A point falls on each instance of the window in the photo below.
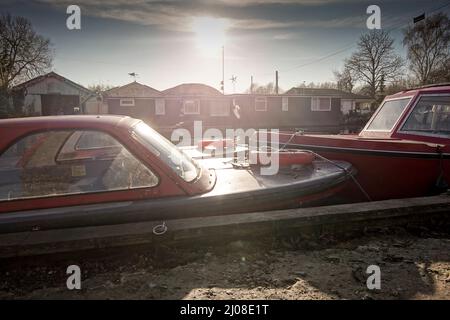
(220, 108)
(261, 104)
(94, 139)
(183, 165)
(87, 140)
(69, 162)
(127, 102)
(388, 114)
(191, 107)
(320, 104)
(347, 106)
(285, 104)
(431, 115)
(160, 107)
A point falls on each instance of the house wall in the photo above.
(32, 104)
(174, 113)
(298, 115)
(95, 106)
(302, 115)
(144, 108)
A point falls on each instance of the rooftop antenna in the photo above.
(223, 70)
(276, 82)
(134, 75)
(233, 81)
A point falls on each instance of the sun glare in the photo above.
(210, 34)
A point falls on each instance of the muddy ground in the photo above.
(413, 266)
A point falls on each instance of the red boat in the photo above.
(78, 171)
(403, 151)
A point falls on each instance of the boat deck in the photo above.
(250, 178)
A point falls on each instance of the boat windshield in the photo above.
(183, 165)
(388, 115)
(431, 115)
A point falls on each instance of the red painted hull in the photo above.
(387, 169)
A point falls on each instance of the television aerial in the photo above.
(233, 80)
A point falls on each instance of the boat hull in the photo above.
(252, 193)
(387, 169)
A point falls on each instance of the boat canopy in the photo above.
(411, 116)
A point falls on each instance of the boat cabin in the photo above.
(419, 115)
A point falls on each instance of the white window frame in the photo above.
(127, 102)
(315, 104)
(219, 108)
(160, 107)
(261, 99)
(375, 114)
(285, 104)
(197, 104)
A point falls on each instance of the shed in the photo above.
(51, 94)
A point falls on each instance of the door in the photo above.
(58, 104)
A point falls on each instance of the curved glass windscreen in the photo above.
(388, 115)
(183, 165)
(59, 163)
(430, 115)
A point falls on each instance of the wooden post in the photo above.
(223, 69)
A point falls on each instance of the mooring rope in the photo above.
(360, 187)
(332, 162)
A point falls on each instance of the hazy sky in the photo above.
(177, 41)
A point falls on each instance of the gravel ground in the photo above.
(412, 267)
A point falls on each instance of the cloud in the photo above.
(301, 2)
(283, 36)
(267, 24)
(178, 15)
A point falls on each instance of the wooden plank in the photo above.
(221, 227)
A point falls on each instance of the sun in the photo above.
(210, 34)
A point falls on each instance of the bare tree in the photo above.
(100, 87)
(321, 85)
(399, 85)
(344, 80)
(427, 43)
(23, 53)
(375, 61)
(264, 89)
